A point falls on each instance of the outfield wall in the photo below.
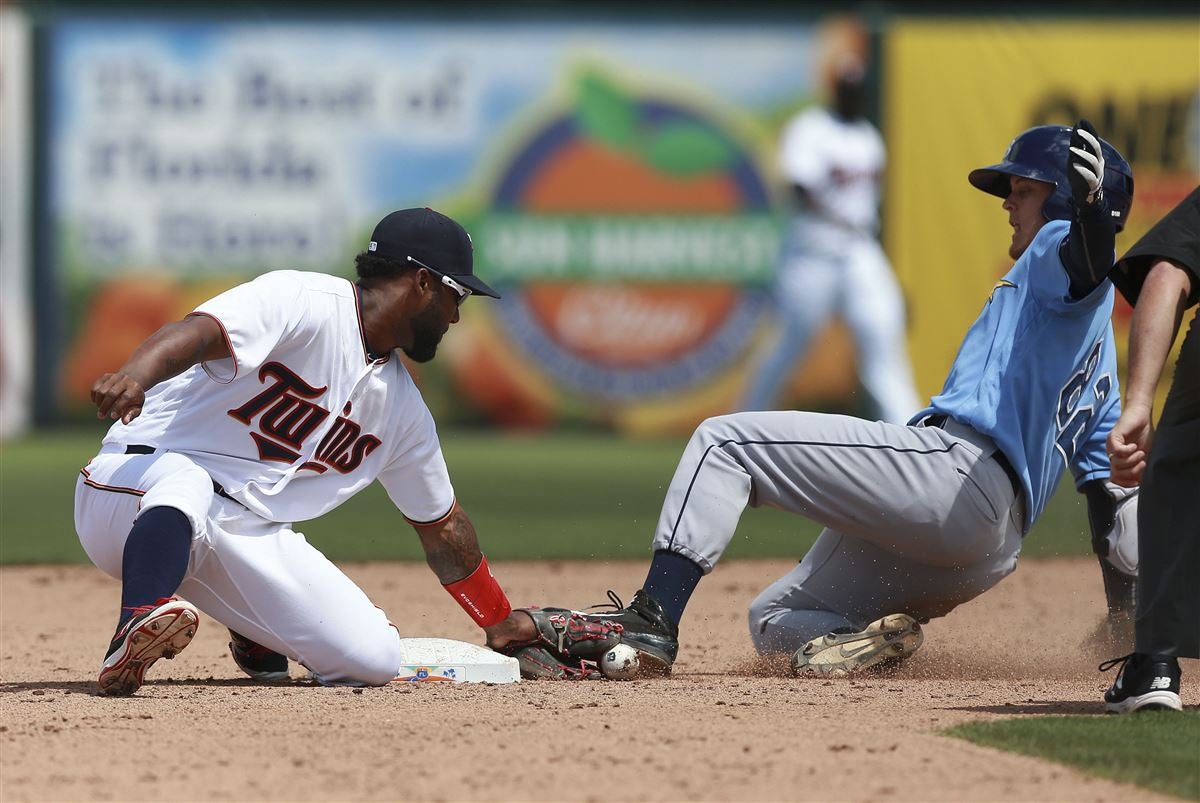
(956, 91)
(616, 170)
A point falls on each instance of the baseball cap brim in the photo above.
(994, 179)
(478, 286)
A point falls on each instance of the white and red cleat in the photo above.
(155, 631)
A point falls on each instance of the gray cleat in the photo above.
(895, 636)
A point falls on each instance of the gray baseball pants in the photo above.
(917, 519)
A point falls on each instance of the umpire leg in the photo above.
(1168, 606)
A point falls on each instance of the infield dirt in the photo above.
(724, 726)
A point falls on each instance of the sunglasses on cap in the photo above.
(461, 291)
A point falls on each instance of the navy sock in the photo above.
(671, 581)
(155, 558)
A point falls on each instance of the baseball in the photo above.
(620, 663)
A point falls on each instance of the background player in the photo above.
(831, 262)
(1160, 275)
(922, 518)
(275, 402)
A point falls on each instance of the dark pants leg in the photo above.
(1168, 606)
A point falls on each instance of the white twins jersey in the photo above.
(838, 162)
(301, 418)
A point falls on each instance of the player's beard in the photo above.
(427, 332)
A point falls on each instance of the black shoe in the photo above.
(1144, 683)
(647, 629)
(257, 661)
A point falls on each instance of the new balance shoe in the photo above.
(259, 662)
(646, 628)
(890, 639)
(1144, 683)
(155, 631)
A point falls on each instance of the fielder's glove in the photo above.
(567, 646)
(1085, 166)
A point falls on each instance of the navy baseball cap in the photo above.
(431, 238)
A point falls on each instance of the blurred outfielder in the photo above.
(922, 518)
(831, 262)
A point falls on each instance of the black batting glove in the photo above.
(1085, 166)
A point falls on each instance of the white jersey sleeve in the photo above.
(417, 480)
(838, 162)
(254, 318)
(800, 155)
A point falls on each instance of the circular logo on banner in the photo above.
(630, 238)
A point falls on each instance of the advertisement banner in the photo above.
(16, 322)
(957, 92)
(617, 179)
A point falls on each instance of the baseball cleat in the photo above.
(259, 662)
(893, 637)
(155, 631)
(1144, 683)
(646, 628)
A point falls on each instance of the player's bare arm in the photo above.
(452, 551)
(451, 546)
(1156, 318)
(168, 352)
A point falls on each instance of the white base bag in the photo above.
(426, 660)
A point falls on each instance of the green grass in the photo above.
(553, 496)
(1159, 750)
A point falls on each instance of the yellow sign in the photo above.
(956, 93)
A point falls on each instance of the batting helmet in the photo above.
(1041, 153)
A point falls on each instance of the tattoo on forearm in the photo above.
(453, 553)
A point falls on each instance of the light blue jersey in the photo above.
(1037, 372)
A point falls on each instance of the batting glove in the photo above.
(1085, 166)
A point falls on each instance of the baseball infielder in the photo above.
(921, 518)
(273, 403)
(831, 262)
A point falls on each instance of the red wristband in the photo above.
(481, 596)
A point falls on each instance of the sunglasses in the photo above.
(459, 290)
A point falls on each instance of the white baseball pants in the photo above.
(257, 577)
(827, 271)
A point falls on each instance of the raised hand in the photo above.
(1085, 166)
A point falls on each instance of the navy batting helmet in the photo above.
(1041, 154)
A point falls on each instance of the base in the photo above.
(426, 660)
